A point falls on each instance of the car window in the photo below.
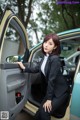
(74, 58)
(37, 56)
(12, 46)
(68, 48)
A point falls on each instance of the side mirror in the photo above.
(14, 58)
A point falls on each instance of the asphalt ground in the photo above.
(24, 116)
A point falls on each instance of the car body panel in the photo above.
(75, 113)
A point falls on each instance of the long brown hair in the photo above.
(55, 39)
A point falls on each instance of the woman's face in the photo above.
(48, 46)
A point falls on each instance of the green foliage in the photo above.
(50, 17)
(58, 17)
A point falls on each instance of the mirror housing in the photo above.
(14, 58)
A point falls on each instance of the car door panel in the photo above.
(13, 82)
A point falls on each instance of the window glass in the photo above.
(37, 56)
(69, 47)
(12, 46)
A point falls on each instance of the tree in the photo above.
(57, 18)
(22, 8)
(50, 17)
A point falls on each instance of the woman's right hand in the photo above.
(21, 65)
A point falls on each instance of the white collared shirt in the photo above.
(44, 63)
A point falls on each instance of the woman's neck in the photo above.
(47, 54)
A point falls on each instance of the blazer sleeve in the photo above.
(54, 69)
(32, 68)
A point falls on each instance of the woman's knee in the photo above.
(45, 115)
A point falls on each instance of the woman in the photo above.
(55, 100)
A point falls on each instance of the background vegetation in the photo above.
(41, 17)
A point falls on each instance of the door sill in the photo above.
(30, 108)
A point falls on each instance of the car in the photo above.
(73, 59)
(20, 90)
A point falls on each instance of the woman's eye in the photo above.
(50, 44)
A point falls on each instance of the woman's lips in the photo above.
(45, 49)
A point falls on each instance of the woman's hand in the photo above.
(21, 65)
(47, 106)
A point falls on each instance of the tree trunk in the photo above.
(36, 35)
(29, 13)
(63, 8)
(21, 13)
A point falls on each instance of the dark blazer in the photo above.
(56, 84)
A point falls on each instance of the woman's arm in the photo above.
(21, 65)
(29, 68)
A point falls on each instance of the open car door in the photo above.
(75, 104)
(13, 83)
